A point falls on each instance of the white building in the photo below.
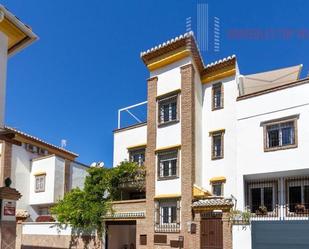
(216, 140)
(40, 171)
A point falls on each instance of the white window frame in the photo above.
(39, 186)
(280, 122)
(161, 166)
(169, 205)
(168, 101)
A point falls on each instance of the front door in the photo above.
(212, 233)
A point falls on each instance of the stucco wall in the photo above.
(251, 158)
(3, 71)
(241, 237)
(46, 165)
(77, 175)
(127, 138)
(220, 119)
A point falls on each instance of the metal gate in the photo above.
(212, 233)
(280, 234)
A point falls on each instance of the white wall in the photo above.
(169, 79)
(59, 179)
(241, 237)
(3, 71)
(46, 165)
(77, 175)
(251, 158)
(20, 174)
(127, 138)
(220, 119)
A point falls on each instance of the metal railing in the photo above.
(167, 228)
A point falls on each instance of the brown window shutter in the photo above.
(143, 239)
(160, 239)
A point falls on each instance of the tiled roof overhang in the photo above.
(19, 34)
(184, 45)
(23, 137)
(212, 204)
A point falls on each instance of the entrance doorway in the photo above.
(211, 232)
(120, 235)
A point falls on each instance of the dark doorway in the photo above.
(212, 232)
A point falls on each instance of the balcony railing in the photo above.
(167, 228)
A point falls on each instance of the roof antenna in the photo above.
(63, 143)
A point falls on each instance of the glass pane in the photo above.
(165, 214)
(306, 196)
(287, 133)
(217, 146)
(217, 97)
(268, 198)
(166, 168)
(273, 138)
(217, 189)
(166, 112)
(173, 214)
(174, 167)
(294, 197)
(255, 199)
(174, 110)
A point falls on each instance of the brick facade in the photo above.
(150, 160)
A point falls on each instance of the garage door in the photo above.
(280, 234)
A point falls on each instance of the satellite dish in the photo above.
(94, 164)
(101, 164)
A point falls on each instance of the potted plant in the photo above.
(300, 208)
(262, 210)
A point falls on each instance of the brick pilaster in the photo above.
(187, 151)
(151, 158)
(67, 173)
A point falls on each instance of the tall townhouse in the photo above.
(40, 171)
(215, 141)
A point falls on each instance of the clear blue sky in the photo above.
(86, 64)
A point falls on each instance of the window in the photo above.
(168, 110)
(40, 183)
(280, 134)
(217, 188)
(167, 215)
(298, 195)
(137, 156)
(167, 164)
(217, 144)
(217, 96)
(262, 197)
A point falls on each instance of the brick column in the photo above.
(151, 159)
(227, 231)
(187, 151)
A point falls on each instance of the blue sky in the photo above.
(86, 64)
